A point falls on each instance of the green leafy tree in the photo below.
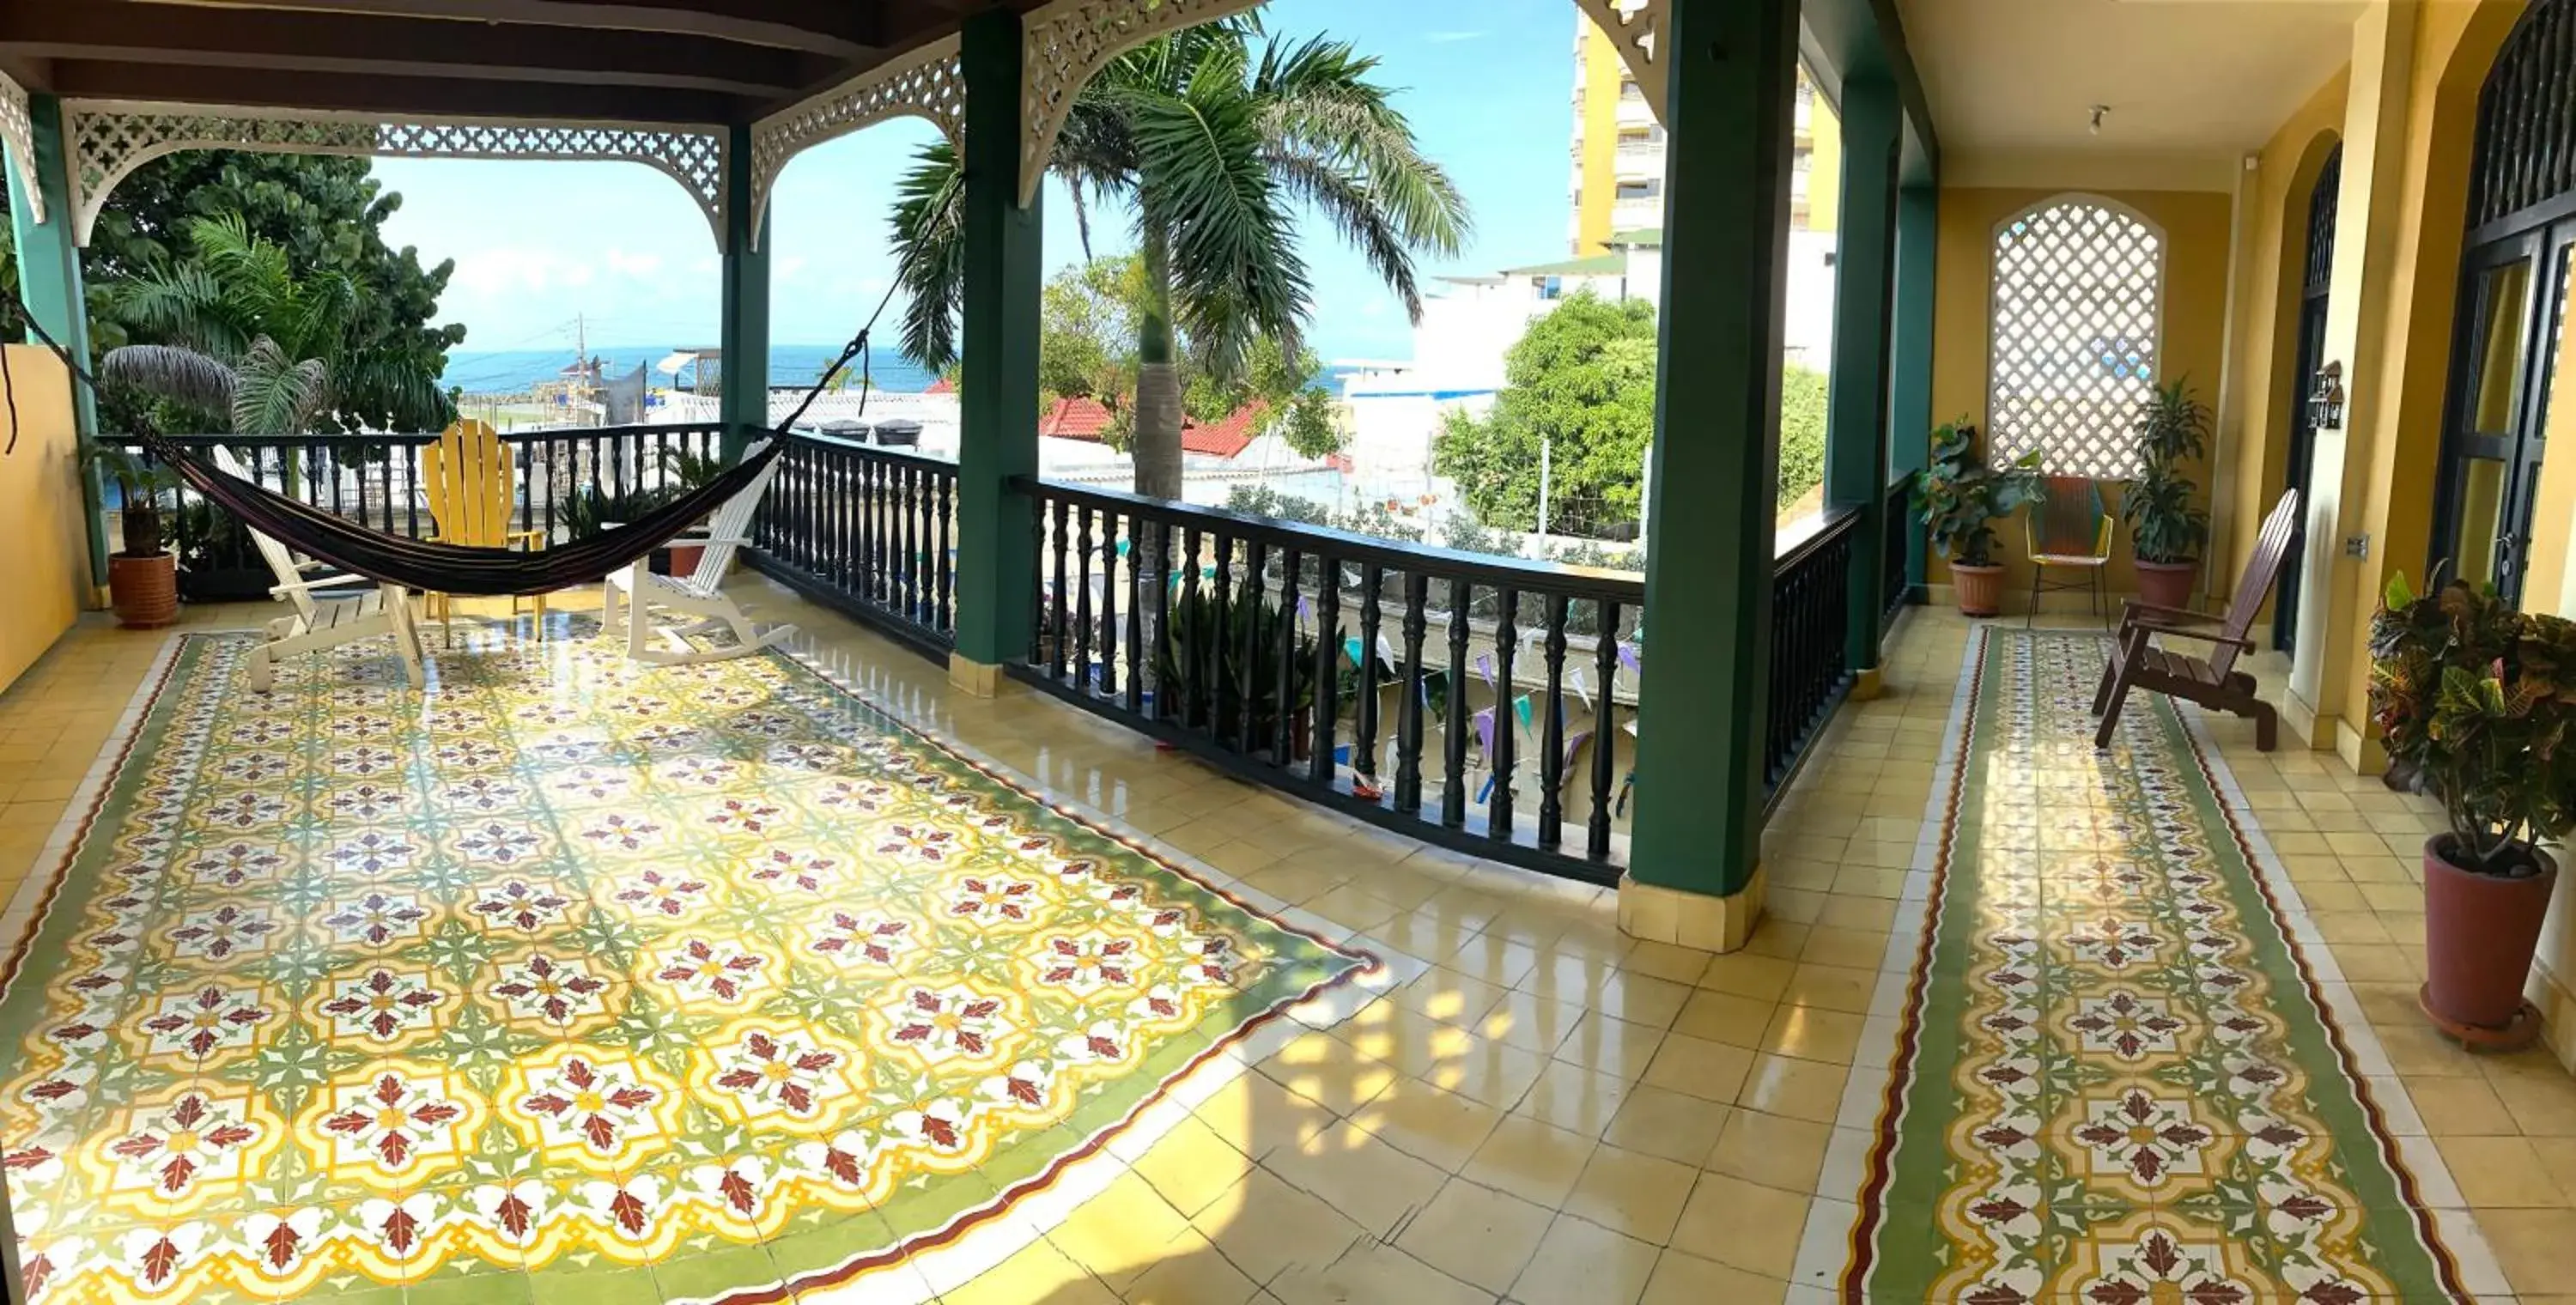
(1212, 140)
(255, 345)
(1580, 383)
(1087, 349)
(326, 213)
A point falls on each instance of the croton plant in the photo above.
(2481, 700)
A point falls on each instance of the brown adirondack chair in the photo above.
(2212, 681)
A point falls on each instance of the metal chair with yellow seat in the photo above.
(2067, 529)
(468, 477)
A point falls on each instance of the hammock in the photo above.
(447, 568)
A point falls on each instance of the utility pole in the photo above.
(1546, 448)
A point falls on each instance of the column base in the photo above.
(2360, 751)
(2314, 730)
(1866, 684)
(1669, 915)
(980, 679)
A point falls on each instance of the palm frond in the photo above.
(1207, 192)
(279, 394)
(172, 372)
(930, 246)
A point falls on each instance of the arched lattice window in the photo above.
(2078, 292)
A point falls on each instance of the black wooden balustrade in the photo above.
(1810, 616)
(1896, 584)
(867, 531)
(563, 481)
(1383, 678)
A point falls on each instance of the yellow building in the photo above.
(1618, 150)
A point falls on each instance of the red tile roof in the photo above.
(1225, 438)
(941, 386)
(1075, 419)
(1087, 419)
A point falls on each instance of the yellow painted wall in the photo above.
(1825, 175)
(1601, 72)
(2267, 336)
(2392, 453)
(2196, 227)
(40, 501)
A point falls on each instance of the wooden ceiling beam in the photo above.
(839, 29)
(402, 47)
(394, 96)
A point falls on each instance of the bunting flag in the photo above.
(1629, 657)
(1485, 668)
(1582, 688)
(1521, 708)
(1351, 648)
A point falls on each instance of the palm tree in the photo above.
(246, 339)
(1212, 151)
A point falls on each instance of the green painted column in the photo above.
(744, 403)
(1857, 397)
(49, 279)
(998, 389)
(1730, 80)
(1909, 407)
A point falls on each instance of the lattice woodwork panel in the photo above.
(927, 83)
(2526, 151)
(110, 140)
(18, 132)
(1065, 43)
(2324, 199)
(2077, 290)
(1631, 26)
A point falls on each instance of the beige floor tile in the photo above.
(1580, 1263)
(1743, 1224)
(2500, 1171)
(2536, 1248)
(1725, 1017)
(2460, 1107)
(1191, 1166)
(1266, 1226)
(1373, 1272)
(1428, 1124)
(1712, 1071)
(1037, 1272)
(1813, 1033)
(1191, 1272)
(1475, 1234)
(1797, 1089)
(1579, 1100)
(1531, 1160)
(1368, 1180)
(1773, 1150)
(1684, 1279)
(1613, 1046)
(1121, 1232)
(1763, 977)
(1631, 1192)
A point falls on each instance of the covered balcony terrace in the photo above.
(1096, 897)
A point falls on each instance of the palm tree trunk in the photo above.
(1157, 444)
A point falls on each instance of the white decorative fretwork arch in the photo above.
(18, 133)
(110, 139)
(926, 83)
(1631, 26)
(2078, 285)
(1065, 43)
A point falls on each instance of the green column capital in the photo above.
(744, 339)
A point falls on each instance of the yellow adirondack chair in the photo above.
(467, 475)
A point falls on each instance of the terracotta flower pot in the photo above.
(145, 590)
(2480, 931)
(684, 559)
(1980, 588)
(2167, 584)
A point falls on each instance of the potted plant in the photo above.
(2479, 700)
(142, 576)
(2167, 529)
(587, 511)
(1957, 495)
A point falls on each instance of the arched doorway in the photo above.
(2513, 301)
(2316, 280)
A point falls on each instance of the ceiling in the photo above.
(694, 61)
(2180, 76)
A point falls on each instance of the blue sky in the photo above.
(1485, 82)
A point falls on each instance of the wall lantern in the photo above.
(2325, 401)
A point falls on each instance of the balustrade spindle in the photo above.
(1498, 816)
(1283, 699)
(1364, 736)
(1082, 596)
(1409, 703)
(1605, 668)
(1187, 651)
(1328, 667)
(1137, 659)
(1551, 756)
(1255, 600)
(1453, 746)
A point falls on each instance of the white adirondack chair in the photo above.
(324, 620)
(700, 593)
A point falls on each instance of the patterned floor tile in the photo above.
(571, 979)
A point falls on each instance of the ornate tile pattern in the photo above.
(2116, 1081)
(571, 966)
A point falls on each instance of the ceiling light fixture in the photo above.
(2100, 111)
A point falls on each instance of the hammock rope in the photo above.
(449, 568)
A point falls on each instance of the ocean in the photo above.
(511, 371)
